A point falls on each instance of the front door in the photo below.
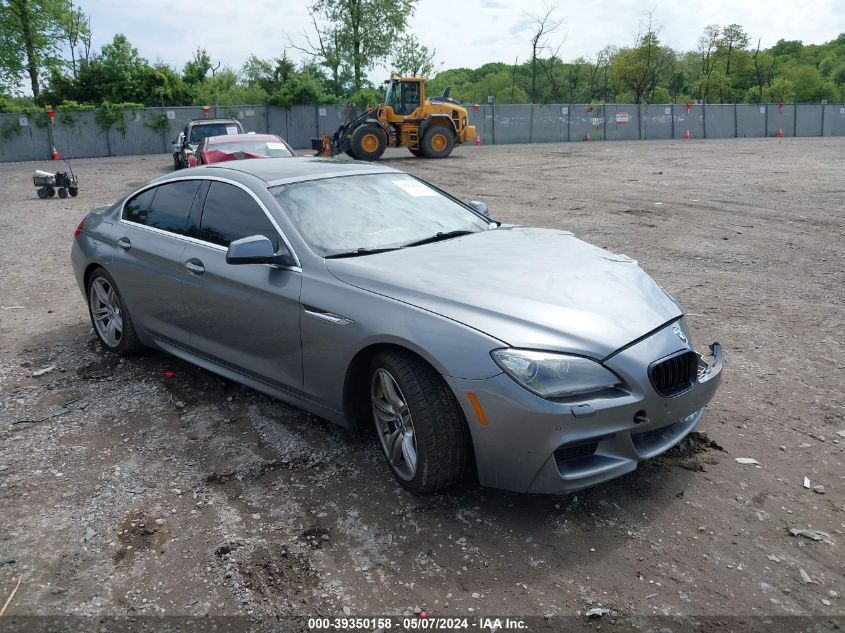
(243, 316)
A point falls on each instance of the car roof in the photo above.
(235, 138)
(202, 121)
(278, 171)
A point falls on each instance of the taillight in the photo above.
(79, 229)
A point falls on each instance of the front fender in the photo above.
(339, 321)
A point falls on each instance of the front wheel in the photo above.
(73, 191)
(110, 316)
(420, 426)
(177, 164)
(368, 142)
(437, 142)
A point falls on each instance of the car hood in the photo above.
(531, 288)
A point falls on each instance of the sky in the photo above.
(467, 33)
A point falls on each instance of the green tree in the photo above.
(197, 68)
(734, 59)
(122, 71)
(413, 58)
(75, 27)
(810, 86)
(327, 51)
(269, 74)
(225, 88)
(29, 32)
(366, 30)
(779, 91)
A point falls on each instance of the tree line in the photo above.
(46, 44)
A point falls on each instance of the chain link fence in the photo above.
(151, 130)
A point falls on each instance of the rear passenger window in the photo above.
(230, 213)
(136, 209)
(171, 206)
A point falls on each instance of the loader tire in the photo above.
(368, 142)
(437, 142)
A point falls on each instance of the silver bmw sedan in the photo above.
(375, 300)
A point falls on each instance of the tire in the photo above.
(62, 192)
(437, 142)
(73, 191)
(51, 192)
(438, 430)
(177, 163)
(42, 192)
(126, 340)
(368, 142)
(416, 152)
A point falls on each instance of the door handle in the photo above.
(124, 243)
(195, 266)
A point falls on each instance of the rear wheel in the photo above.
(437, 142)
(109, 315)
(42, 192)
(177, 164)
(51, 192)
(420, 426)
(62, 192)
(368, 142)
(73, 191)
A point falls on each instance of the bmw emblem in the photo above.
(680, 334)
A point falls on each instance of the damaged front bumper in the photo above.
(530, 444)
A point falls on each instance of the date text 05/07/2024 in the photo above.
(423, 622)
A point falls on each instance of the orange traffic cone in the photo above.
(478, 140)
(687, 135)
(56, 154)
(780, 132)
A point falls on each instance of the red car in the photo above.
(216, 149)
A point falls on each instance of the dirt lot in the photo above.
(124, 491)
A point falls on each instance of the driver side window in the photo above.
(230, 213)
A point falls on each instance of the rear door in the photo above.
(148, 261)
(243, 316)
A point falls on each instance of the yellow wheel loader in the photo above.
(429, 128)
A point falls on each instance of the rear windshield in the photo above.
(199, 132)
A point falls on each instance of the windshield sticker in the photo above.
(272, 145)
(231, 129)
(415, 188)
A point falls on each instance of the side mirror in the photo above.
(480, 207)
(257, 249)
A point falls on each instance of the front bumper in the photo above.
(530, 444)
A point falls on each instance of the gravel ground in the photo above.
(148, 486)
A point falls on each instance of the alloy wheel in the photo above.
(394, 425)
(105, 311)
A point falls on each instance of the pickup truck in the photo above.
(195, 131)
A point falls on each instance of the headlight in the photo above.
(553, 375)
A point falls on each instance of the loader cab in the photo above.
(405, 94)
